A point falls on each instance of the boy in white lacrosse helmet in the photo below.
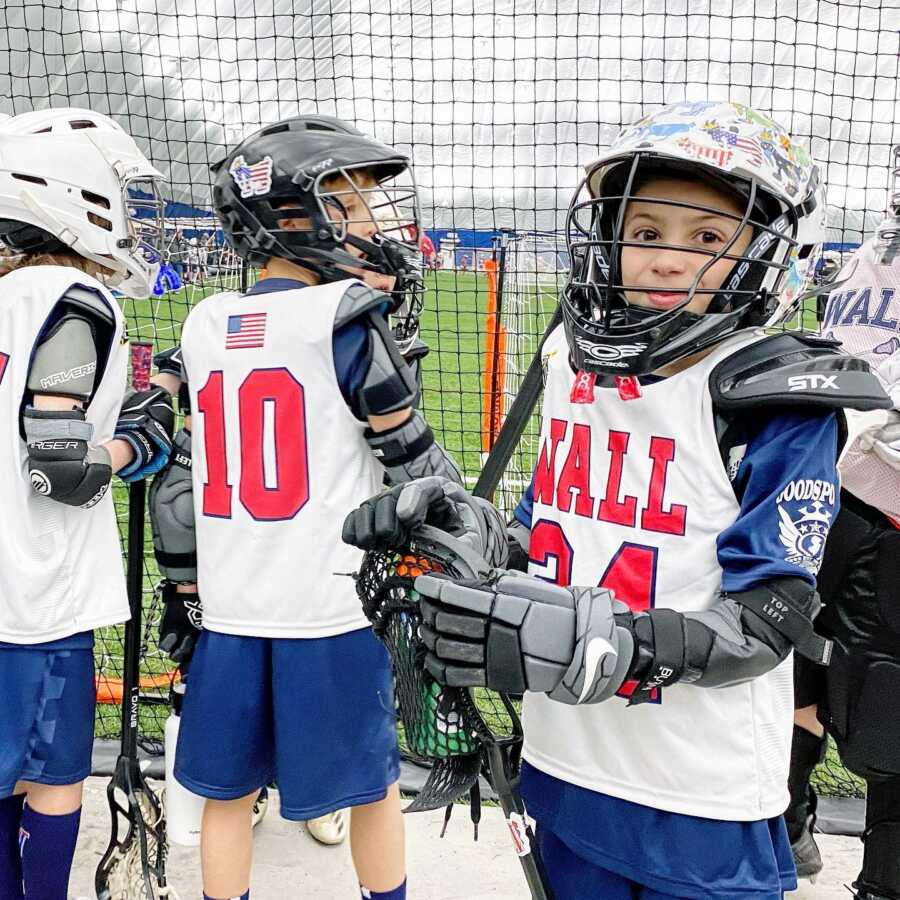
(686, 480)
(79, 214)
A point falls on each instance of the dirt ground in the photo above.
(290, 865)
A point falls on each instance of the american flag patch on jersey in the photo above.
(245, 332)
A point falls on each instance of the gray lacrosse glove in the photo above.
(516, 633)
(386, 520)
(172, 515)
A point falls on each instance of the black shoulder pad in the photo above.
(795, 370)
(358, 300)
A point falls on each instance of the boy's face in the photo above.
(355, 218)
(696, 233)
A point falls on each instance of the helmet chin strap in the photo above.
(71, 240)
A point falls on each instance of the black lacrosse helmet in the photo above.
(749, 158)
(287, 171)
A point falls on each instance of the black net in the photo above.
(499, 104)
(445, 728)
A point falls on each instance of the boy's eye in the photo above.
(710, 237)
(646, 234)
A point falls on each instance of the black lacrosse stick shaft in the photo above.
(502, 758)
(137, 494)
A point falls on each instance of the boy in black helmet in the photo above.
(301, 404)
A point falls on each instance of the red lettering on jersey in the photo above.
(216, 490)
(631, 576)
(291, 491)
(545, 471)
(619, 512)
(4, 359)
(654, 517)
(576, 474)
(548, 543)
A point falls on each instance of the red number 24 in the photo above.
(630, 575)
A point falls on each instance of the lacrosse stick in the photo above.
(461, 732)
(134, 865)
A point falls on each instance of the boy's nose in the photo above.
(669, 262)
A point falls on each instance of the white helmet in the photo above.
(731, 147)
(58, 119)
(73, 179)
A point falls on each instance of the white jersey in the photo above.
(632, 494)
(279, 461)
(864, 315)
(60, 566)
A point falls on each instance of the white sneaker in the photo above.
(260, 805)
(330, 828)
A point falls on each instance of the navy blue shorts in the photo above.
(315, 715)
(572, 877)
(47, 702)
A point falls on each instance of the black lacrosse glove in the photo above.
(385, 521)
(170, 362)
(147, 422)
(181, 624)
(514, 633)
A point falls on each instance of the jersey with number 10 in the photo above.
(633, 495)
(279, 460)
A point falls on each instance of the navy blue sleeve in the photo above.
(787, 486)
(525, 508)
(350, 347)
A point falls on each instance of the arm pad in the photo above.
(172, 515)
(61, 463)
(410, 451)
(743, 636)
(65, 362)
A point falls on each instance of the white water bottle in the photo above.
(184, 809)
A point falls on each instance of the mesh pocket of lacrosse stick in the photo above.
(444, 727)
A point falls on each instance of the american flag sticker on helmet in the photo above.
(245, 332)
(252, 180)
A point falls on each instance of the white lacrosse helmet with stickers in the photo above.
(73, 179)
(739, 152)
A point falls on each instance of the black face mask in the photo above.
(610, 336)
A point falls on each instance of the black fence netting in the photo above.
(499, 103)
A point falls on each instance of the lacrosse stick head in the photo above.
(445, 727)
(133, 867)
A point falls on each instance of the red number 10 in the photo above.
(291, 491)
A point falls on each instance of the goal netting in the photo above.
(500, 103)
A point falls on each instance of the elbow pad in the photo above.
(409, 451)
(61, 463)
(172, 515)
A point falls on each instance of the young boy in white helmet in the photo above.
(79, 213)
(857, 699)
(686, 481)
(301, 405)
